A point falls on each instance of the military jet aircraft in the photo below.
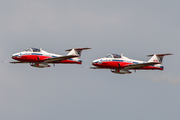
(121, 65)
(40, 58)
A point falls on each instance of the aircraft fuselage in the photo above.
(39, 57)
(116, 63)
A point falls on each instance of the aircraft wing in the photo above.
(18, 62)
(133, 66)
(59, 58)
(97, 68)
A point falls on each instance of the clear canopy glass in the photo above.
(113, 56)
(33, 50)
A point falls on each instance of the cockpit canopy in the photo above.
(113, 56)
(33, 50)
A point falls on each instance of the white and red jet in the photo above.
(121, 65)
(40, 58)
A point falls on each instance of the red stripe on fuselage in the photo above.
(111, 64)
(31, 58)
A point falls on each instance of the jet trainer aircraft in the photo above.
(40, 58)
(121, 65)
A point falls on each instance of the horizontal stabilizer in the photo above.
(160, 54)
(78, 49)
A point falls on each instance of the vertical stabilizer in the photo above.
(76, 51)
(157, 57)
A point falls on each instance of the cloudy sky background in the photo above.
(135, 28)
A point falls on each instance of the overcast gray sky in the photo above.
(135, 28)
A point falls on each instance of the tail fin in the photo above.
(76, 51)
(157, 57)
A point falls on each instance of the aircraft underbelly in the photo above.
(31, 58)
(112, 64)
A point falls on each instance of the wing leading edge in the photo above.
(18, 62)
(59, 58)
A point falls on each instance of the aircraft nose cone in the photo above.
(94, 62)
(12, 56)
